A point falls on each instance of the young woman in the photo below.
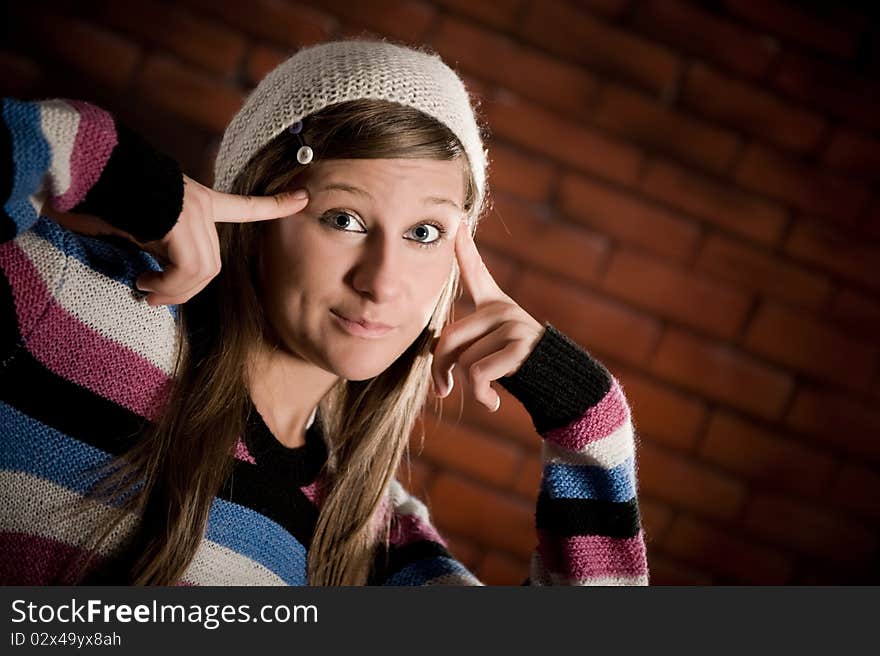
(217, 386)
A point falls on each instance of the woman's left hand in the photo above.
(488, 344)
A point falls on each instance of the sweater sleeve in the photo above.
(587, 519)
(82, 160)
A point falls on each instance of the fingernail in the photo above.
(300, 194)
(497, 403)
(450, 382)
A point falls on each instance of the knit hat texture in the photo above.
(337, 71)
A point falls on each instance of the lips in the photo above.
(362, 327)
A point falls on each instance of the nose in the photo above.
(380, 271)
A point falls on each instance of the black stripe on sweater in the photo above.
(32, 389)
(558, 382)
(568, 517)
(53, 400)
(140, 190)
(401, 556)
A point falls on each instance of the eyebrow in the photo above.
(341, 186)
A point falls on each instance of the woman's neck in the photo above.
(286, 391)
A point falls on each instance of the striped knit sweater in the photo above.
(85, 366)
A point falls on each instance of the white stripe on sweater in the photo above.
(60, 123)
(36, 506)
(607, 452)
(105, 305)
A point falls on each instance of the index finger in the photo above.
(477, 279)
(233, 208)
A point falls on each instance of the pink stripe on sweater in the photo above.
(34, 560)
(95, 140)
(242, 453)
(76, 352)
(597, 423)
(409, 528)
(584, 557)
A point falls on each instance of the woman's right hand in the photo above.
(190, 252)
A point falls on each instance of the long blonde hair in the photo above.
(172, 474)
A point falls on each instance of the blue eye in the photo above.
(332, 218)
(434, 242)
(342, 219)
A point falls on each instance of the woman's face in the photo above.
(375, 242)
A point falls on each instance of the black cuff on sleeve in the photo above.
(140, 190)
(558, 382)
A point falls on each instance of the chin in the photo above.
(357, 365)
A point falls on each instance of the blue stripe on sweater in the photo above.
(102, 256)
(590, 481)
(29, 446)
(422, 571)
(247, 532)
(31, 158)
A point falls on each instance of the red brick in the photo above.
(811, 531)
(667, 571)
(563, 140)
(656, 518)
(574, 34)
(500, 266)
(464, 551)
(675, 294)
(260, 61)
(841, 422)
(872, 221)
(520, 232)
(405, 20)
(483, 516)
(624, 217)
(726, 207)
(515, 172)
(840, 91)
(857, 489)
(828, 247)
(720, 372)
(639, 118)
(836, 33)
(855, 153)
(857, 313)
(691, 29)
(687, 484)
(759, 271)
(803, 343)
(528, 479)
(108, 59)
(501, 13)
(500, 569)
(807, 188)
(593, 322)
(823, 573)
(766, 456)
(525, 71)
(286, 24)
(510, 422)
(719, 551)
(20, 77)
(469, 451)
(192, 37)
(414, 475)
(664, 415)
(750, 109)
(199, 99)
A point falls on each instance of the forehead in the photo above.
(443, 178)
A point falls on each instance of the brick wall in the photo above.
(687, 189)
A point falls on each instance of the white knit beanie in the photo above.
(337, 71)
